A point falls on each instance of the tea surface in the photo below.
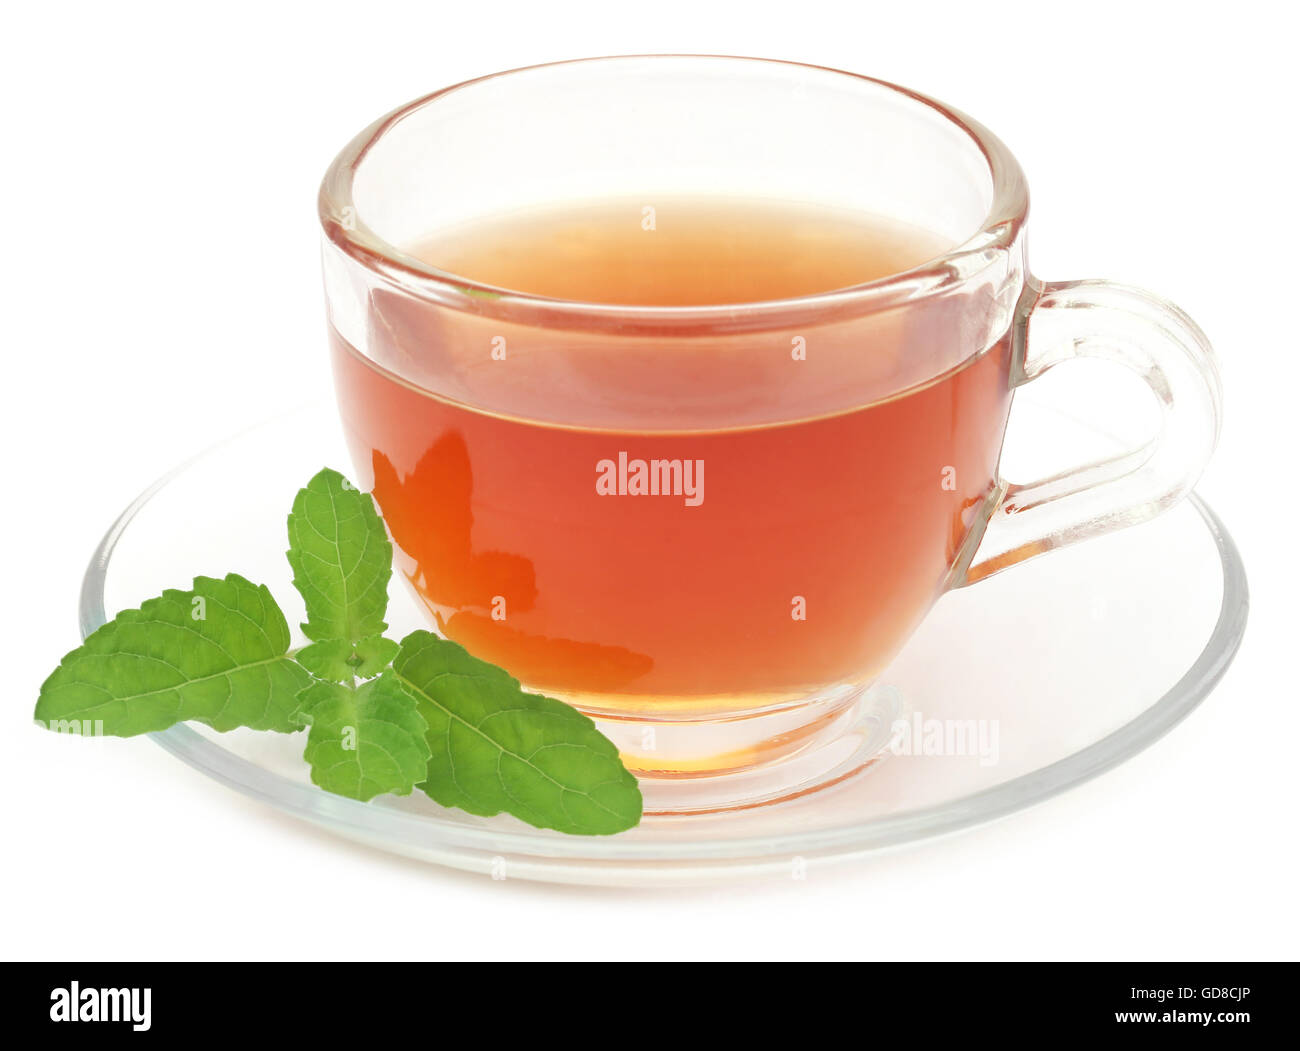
(683, 252)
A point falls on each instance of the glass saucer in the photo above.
(1012, 691)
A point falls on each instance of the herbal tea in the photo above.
(715, 523)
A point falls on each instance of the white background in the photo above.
(160, 290)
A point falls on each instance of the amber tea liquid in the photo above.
(685, 527)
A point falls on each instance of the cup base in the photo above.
(761, 759)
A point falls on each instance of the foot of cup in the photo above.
(701, 767)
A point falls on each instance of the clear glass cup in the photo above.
(846, 442)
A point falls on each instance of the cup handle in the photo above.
(1097, 319)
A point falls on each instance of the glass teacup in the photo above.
(711, 525)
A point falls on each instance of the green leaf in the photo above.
(341, 559)
(340, 661)
(363, 743)
(331, 660)
(496, 748)
(216, 654)
(373, 655)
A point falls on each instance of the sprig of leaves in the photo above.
(382, 717)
